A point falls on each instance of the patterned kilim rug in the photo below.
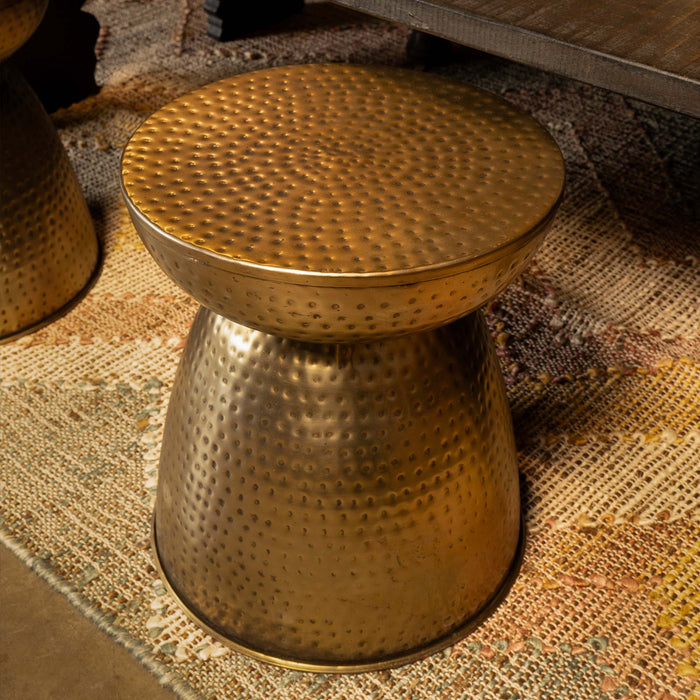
(599, 342)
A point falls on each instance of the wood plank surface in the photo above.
(648, 49)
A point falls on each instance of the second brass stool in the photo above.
(49, 253)
(338, 487)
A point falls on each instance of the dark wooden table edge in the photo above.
(670, 90)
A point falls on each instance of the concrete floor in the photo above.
(49, 650)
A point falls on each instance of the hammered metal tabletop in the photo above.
(343, 170)
(284, 199)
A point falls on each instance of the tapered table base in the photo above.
(338, 506)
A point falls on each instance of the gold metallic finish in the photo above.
(48, 248)
(357, 666)
(341, 202)
(337, 508)
(18, 21)
(338, 487)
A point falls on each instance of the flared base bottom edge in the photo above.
(364, 665)
(68, 306)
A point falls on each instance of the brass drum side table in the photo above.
(49, 252)
(338, 487)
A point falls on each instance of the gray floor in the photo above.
(49, 650)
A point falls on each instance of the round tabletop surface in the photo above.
(343, 170)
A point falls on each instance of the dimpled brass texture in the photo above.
(337, 507)
(338, 487)
(48, 248)
(18, 21)
(338, 202)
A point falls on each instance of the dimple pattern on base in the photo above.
(48, 247)
(18, 21)
(337, 504)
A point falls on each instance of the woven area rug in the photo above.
(599, 342)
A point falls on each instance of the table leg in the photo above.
(231, 19)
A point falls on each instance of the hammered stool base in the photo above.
(49, 253)
(338, 507)
(378, 664)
